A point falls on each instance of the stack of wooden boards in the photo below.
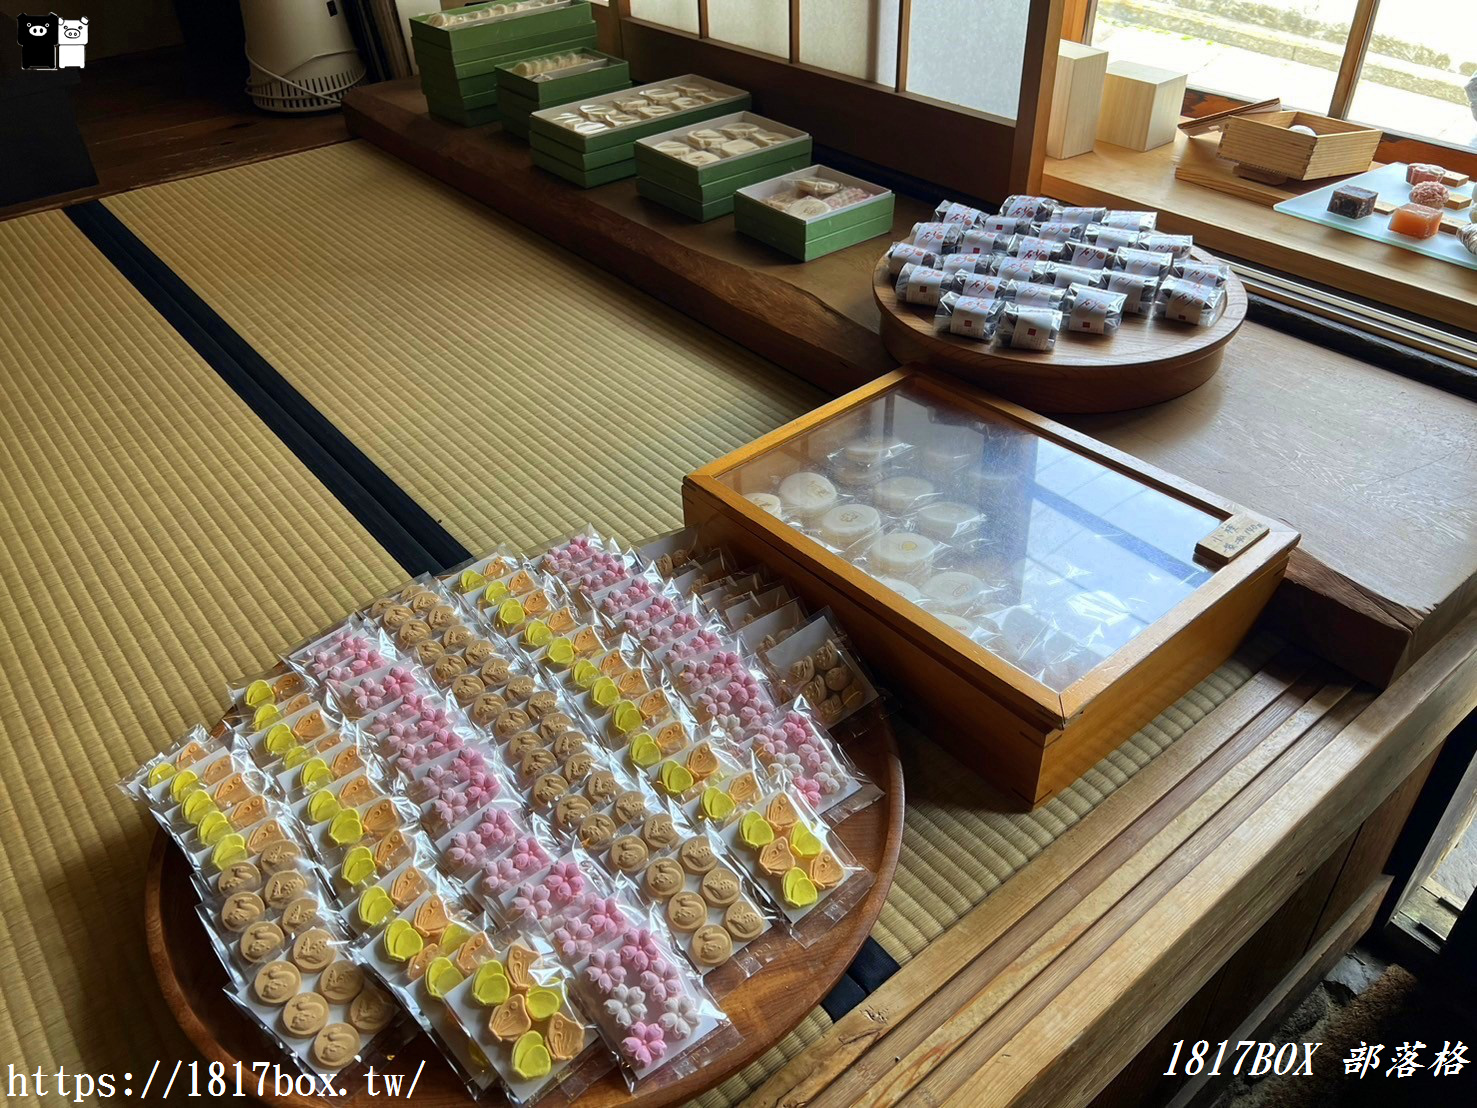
(459, 61)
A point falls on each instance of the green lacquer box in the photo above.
(585, 178)
(482, 34)
(702, 211)
(520, 96)
(709, 188)
(807, 238)
(446, 80)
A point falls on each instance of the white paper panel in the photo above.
(762, 25)
(855, 37)
(969, 52)
(681, 14)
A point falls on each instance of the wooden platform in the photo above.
(1388, 561)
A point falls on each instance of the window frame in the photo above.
(1396, 146)
(970, 152)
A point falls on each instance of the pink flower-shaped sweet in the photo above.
(605, 916)
(646, 1044)
(528, 856)
(573, 940)
(829, 783)
(466, 851)
(634, 958)
(499, 875)
(497, 829)
(605, 971)
(531, 903)
(654, 986)
(808, 789)
(564, 882)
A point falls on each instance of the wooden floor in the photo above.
(146, 120)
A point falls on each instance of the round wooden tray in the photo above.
(1146, 362)
(764, 1009)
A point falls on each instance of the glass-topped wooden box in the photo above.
(1038, 594)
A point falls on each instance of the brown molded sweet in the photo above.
(564, 1037)
(510, 1019)
(372, 1010)
(466, 689)
(304, 911)
(430, 652)
(743, 921)
(260, 941)
(687, 911)
(448, 668)
(472, 953)
(664, 878)
(251, 810)
(395, 617)
(542, 703)
(510, 723)
(336, 1046)
(283, 887)
(743, 790)
(416, 968)
(548, 788)
(267, 832)
(359, 791)
(520, 963)
(781, 813)
(720, 887)
(601, 787)
(241, 910)
(312, 952)
(441, 617)
(216, 771)
(458, 638)
(555, 724)
(347, 761)
(520, 688)
(390, 851)
(277, 982)
(232, 790)
(711, 945)
(628, 853)
(239, 876)
(569, 743)
(671, 737)
(486, 708)
(824, 870)
(304, 1015)
(341, 981)
(578, 765)
(571, 811)
(381, 817)
(630, 807)
(658, 831)
(702, 761)
(596, 830)
(521, 744)
(495, 669)
(696, 855)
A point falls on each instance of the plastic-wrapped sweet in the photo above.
(1130, 220)
(968, 316)
(941, 238)
(983, 286)
(1112, 238)
(968, 263)
(1063, 276)
(950, 211)
(1042, 296)
(1202, 273)
(1138, 290)
(1061, 231)
(900, 254)
(921, 285)
(1095, 311)
(1007, 225)
(977, 241)
(1029, 328)
(1088, 255)
(1035, 247)
(1083, 216)
(1035, 208)
(1008, 268)
(1177, 245)
(1151, 262)
(1187, 302)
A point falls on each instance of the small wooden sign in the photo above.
(1231, 538)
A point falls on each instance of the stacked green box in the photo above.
(458, 64)
(706, 192)
(520, 96)
(821, 234)
(609, 155)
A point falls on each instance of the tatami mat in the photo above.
(512, 389)
(955, 852)
(156, 541)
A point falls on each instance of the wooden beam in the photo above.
(794, 30)
(1077, 20)
(702, 19)
(1033, 105)
(904, 31)
(1361, 30)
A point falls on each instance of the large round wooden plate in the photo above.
(764, 1008)
(1146, 362)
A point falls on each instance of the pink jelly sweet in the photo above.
(1417, 172)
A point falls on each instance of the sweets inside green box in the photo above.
(477, 26)
(803, 228)
(705, 163)
(526, 86)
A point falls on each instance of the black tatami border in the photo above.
(396, 521)
(411, 536)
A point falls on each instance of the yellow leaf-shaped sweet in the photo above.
(402, 941)
(470, 581)
(375, 906)
(493, 593)
(279, 740)
(160, 774)
(229, 848)
(799, 890)
(585, 673)
(314, 775)
(543, 1003)
(537, 634)
(803, 841)
(346, 827)
(295, 755)
(626, 718)
(644, 751)
(265, 716)
(531, 1058)
(560, 653)
(674, 778)
(182, 784)
(490, 984)
(358, 866)
(717, 805)
(755, 831)
(214, 827)
(604, 692)
(324, 806)
(258, 693)
(442, 977)
(197, 806)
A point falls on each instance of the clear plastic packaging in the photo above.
(1082, 216)
(967, 263)
(1007, 225)
(1065, 276)
(1020, 270)
(1088, 255)
(900, 254)
(1187, 302)
(1095, 311)
(1037, 209)
(938, 237)
(1138, 290)
(917, 285)
(1130, 220)
(816, 662)
(1061, 231)
(1143, 262)
(797, 752)
(1035, 248)
(1215, 274)
(799, 861)
(968, 317)
(979, 241)
(1179, 246)
(1027, 328)
(1111, 238)
(984, 286)
(950, 211)
(1050, 297)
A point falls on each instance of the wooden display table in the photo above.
(764, 1008)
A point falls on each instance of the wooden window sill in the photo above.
(1250, 229)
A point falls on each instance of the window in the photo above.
(1371, 61)
(967, 53)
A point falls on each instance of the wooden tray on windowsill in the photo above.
(1146, 362)
(764, 1008)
